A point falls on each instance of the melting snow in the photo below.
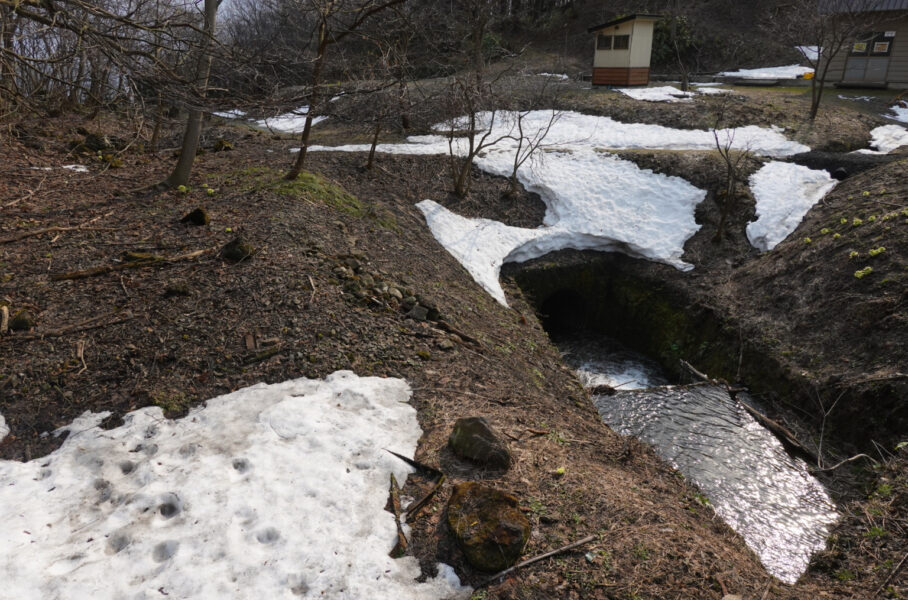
(887, 138)
(811, 53)
(784, 193)
(665, 93)
(787, 72)
(899, 113)
(561, 76)
(4, 430)
(273, 491)
(76, 168)
(290, 122)
(593, 199)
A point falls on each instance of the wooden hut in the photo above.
(623, 50)
(878, 56)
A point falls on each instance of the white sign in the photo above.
(889, 34)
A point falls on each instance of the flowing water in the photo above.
(783, 513)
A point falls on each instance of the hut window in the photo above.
(622, 42)
(604, 42)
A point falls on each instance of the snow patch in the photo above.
(885, 139)
(664, 93)
(593, 199)
(899, 113)
(810, 53)
(786, 72)
(76, 168)
(291, 122)
(784, 193)
(273, 491)
(233, 113)
(560, 76)
(4, 429)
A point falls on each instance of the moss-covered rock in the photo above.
(237, 249)
(475, 439)
(487, 526)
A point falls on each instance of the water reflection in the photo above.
(780, 510)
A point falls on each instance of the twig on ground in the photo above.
(28, 195)
(846, 461)
(92, 323)
(4, 320)
(25, 234)
(892, 574)
(535, 559)
(312, 285)
(159, 260)
(80, 354)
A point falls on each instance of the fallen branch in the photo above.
(439, 479)
(892, 574)
(400, 548)
(535, 559)
(4, 319)
(28, 195)
(25, 234)
(844, 462)
(92, 323)
(136, 264)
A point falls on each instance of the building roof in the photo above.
(857, 6)
(625, 20)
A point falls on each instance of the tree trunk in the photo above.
(371, 162)
(314, 100)
(183, 168)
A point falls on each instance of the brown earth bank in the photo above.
(182, 324)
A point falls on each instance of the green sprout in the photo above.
(836, 236)
(865, 194)
(856, 222)
(182, 189)
(210, 192)
(861, 272)
(825, 231)
(853, 254)
(876, 251)
(871, 218)
(843, 220)
(807, 240)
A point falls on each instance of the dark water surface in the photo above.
(782, 512)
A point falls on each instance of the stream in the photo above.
(783, 513)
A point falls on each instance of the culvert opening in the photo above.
(564, 314)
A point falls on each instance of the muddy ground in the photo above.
(315, 297)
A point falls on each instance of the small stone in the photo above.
(410, 300)
(395, 293)
(487, 526)
(237, 249)
(418, 313)
(446, 344)
(22, 321)
(475, 439)
(732, 597)
(368, 280)
(197, 217)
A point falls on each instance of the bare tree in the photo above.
(734, 160)
(183, 168)
(336, 19)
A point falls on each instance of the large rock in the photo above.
(487, 526)
(474, 438)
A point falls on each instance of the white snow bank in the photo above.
(787, 72)
(561, 76)
(899, 113)
(784, 193)
(811, 53)
(273, 491)
(4, 430)
(291, 122)
(665, 93)
(233, 113)
(594, 201)
(887, 138)
(713, 90)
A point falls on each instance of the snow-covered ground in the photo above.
(593, 199)
(559, 76)
(899, 113)
(786, 72)
(886, 138)
(289, 122)
(784, 193)
(811, 53)
(273, 491)
(668, 93)
(4, 430)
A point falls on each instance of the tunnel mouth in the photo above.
(564, 313)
